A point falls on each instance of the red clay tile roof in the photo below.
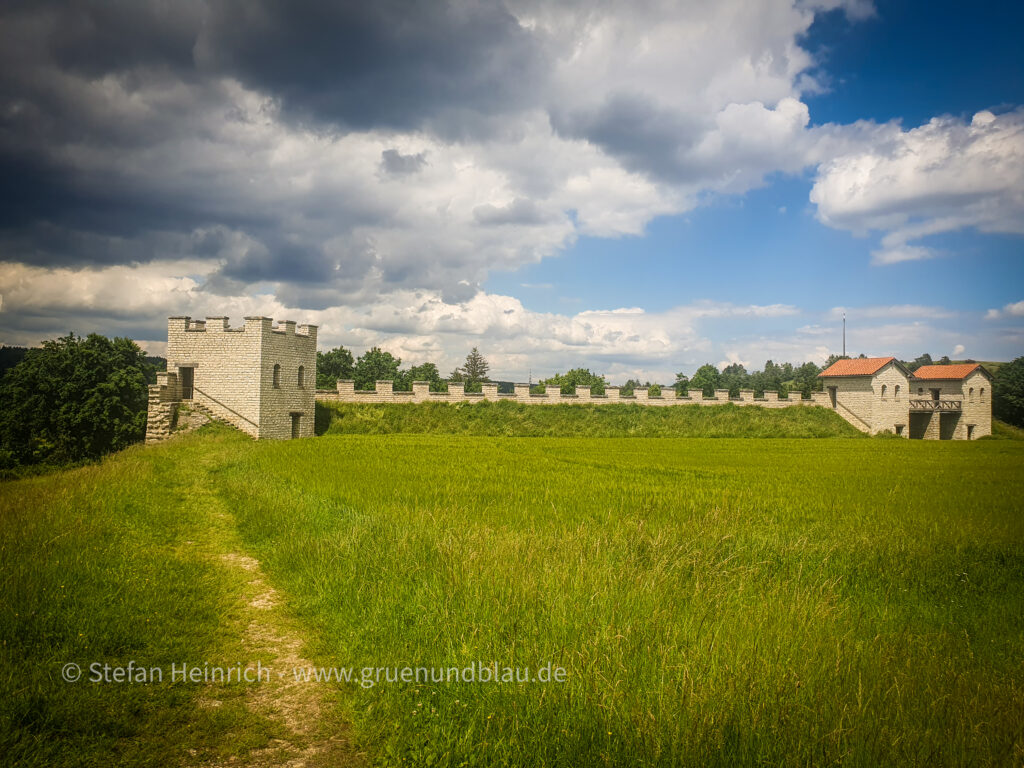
(958, 371)
(864, 366)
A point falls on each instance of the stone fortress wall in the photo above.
(262, 379)
(384, 393)
(881, 402)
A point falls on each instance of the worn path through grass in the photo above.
(305, 736)
(137, 561)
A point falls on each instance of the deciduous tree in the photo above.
(577, 377)
(333, 365)
(375, 365)
(73, 399)
(1008, 393)
(707, 379)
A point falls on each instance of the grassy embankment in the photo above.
(1002, 431)
(504, 419)
(712, 601)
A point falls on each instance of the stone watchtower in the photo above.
(259, 378)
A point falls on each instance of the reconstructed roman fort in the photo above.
(259, 378)
(262, 379)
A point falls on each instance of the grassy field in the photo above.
(113, 563)
(712, 601)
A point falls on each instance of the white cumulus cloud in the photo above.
(943, 176)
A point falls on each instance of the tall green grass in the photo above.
(505, 419)
(113, 563)
(714, 602)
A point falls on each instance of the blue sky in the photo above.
(766, 245)
(638, 188)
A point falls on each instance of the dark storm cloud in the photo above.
(72, 123)
(291, 262)
(631, 128)
(388, 63)
(395, 163)
(100, 36)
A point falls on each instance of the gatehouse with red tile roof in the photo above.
(935, 402)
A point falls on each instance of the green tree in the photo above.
(577, 377)
(924, 359)
(805, 379)
(427, 372)
(10, 357)
(706, 378)
(73, 399)
(833, 358)
(375, 365)
(682, 384)
(1008, 393)
(734, 378)
(473, 372)
(627, 389)
(333, 365)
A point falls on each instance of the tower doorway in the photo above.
(187, 378)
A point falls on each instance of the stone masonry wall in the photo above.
(977, 404)
(873, 404)
(891, 407)
(226, 363)
(290, 349)
(854, 400)
(261, 378)
(975, 396)
(233, 370)
(384, 393)
(164, 397)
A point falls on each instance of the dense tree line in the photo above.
(73, 399)
(378, 365)
(1008, 393)
(774, 377)
(10, 357)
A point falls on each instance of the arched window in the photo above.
(302, 376)
(277, 376)
(970, 395)
(884, 388)
(896, 392)
(981, 395)
(920, 390)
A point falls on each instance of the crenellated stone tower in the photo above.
(260, 378)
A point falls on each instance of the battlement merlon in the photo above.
(258, 323)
